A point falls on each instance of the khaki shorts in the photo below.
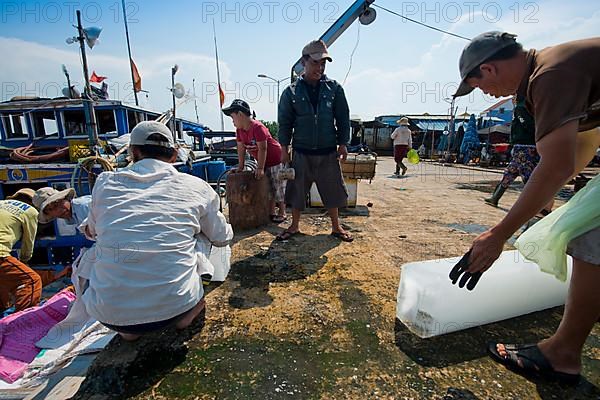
(586, 247)
(277, 185)
(325, 172)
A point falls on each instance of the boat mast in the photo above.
(218, 76)
(87, 101)
(129, 51)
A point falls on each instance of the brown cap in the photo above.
(22, 192)
(479, 50)
(317, 50)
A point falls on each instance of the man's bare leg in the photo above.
(281, 206)
(189, 317)
(582, 309)
(129, 337)
(335, 220)
(295, 226)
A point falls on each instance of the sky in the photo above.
(391, 66)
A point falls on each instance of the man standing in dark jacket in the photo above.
(314, 119)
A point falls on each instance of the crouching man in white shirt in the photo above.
(146, 220)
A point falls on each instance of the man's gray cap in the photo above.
(480, 48)
(141, 132)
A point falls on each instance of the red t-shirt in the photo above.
(259, 133)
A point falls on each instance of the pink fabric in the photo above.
(20, 331)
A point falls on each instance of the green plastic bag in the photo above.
(545, 243)
(413, 156)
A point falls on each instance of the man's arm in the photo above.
(214, 225)
(394, 134)
(557, 163)
(262, 158)
(29, 225)
(341, 113)
(285, 118)
(241, 152)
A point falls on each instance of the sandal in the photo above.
(277, 218)
(286, 235)
(533, 362)
(343, 236)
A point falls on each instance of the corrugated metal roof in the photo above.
(429, 122)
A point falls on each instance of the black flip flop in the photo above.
(286, 235)
(277, 218)
(343, 236)
(533, 362)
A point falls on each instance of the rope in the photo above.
(87, 164)
(352, 54)
(421, 23)
(26, 154)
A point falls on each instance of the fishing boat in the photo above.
(43, 142)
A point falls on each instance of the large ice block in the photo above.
(430, 305)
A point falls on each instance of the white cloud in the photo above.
(420, 83)
(35, 70)
(389, 80)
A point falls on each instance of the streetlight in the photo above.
(90, 36)
(278, 81)
(451, 101)
(174, 124)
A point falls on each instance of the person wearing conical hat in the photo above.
(402, 137)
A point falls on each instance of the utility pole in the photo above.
(174, 123)
(88, 102)
(129, 51)
(195, 103)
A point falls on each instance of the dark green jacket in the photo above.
(306, 128)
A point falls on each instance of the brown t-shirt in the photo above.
(562, 84)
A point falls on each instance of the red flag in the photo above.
(221, 95)
(137, 79)
(96, 78)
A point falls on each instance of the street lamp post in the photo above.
(90, 35)
(174, 123)
(451, 123)
(278, 81)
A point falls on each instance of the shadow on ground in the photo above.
(125, 369)
(282, 262)
(470, 344)
(467, 345)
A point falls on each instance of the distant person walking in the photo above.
(402, 137)
(524, 157)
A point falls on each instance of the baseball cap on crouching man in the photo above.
(479, 50)
(142, 131)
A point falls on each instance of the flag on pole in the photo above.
(137, 79)
(221, 95)
(97, 78)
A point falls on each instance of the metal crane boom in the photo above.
(359, 9)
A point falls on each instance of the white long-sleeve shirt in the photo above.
(146, 219)
(402, 135)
